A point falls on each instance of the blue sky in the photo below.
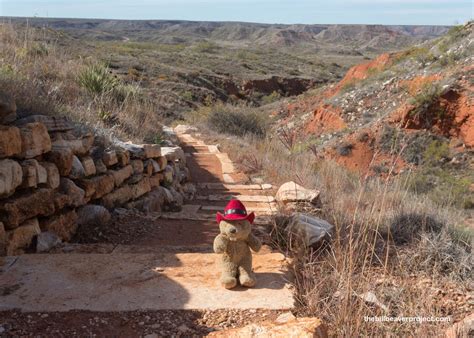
(436, 12)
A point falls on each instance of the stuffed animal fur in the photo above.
(234, 243)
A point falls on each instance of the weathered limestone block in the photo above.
(21, 237)
(168, 175)
(7, 109)
(138, 166)
(64, 225)
(154, 166)
(46, 241)
(11, 176)
(152, 150)
(88, 165)
(52, 174)
(123, 157)
(14, 211)
(79, 147)
(121, 174)
(134, 179)
(173, 154)
(110, 158)
(10, 141)
(3, 240)
(141, 188)
(142, 151)
(147, 168)
(62, 158)
(118, 197)
(292, 192)
(150, 202)
(33, 174)
(162, 162)
(155, 180)
(100, 167)
(34, 140)
(75, 195)
(98, 186)
(77, 170)
(93, 214)
(53, 124)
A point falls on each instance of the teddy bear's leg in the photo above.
(246, 276)
(229, 274)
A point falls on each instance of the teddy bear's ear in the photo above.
(251, 217)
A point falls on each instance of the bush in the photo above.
(237, 121)
(97, 79)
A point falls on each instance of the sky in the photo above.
(424, 12)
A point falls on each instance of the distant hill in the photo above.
(365, 37)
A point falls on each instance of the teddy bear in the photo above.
(234, 243)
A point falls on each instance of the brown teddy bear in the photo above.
(234, 243)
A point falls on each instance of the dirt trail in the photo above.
(163, 282)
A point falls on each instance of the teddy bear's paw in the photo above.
(229, 282)
(247, 281)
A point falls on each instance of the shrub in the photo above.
(97, 79)
(274, 96)
(425, 103)
(345, 149)
(237, 121)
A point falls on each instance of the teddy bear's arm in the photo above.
(254, 243)
(220, 243)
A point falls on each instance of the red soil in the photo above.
(326, 118)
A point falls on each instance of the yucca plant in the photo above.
(97, 79)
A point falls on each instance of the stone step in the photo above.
(260, 220)
(225, 186)
(129, 282)
(242, 198)
(268, 210)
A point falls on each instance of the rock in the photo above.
(173, 154)
(162, 161)
(141, 188)
(184, 129)
(52, 174)
(97, 186)
(138, 166)
(75, 195)
(88, 165)
(3, 240)
(155, 167)
(77, 170)
(34, 140)
(46, 241)
(22, 236)
(464, 328)
(14, 211)
(109, 158)
(100, 167)
(155, 180)
(52, 124)
(147, 168)
(285, 318)
(189, 191)
(62, 158)
(298, 327)
(168, 175)
(64, 225)
(7, 109)
(117, 197)
(292, 192)
(142, 151)
(123, 157)
(79, 147)
(170, 134)
(92, 214)
(33, 174)
(11, 177)
(10, 141)
(370, 298)
(152, 150)
(312, 230)
(150, 202)
(121, 174)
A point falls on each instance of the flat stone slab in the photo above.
(242, 198)
(127, 282)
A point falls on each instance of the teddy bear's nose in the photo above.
(233, 230)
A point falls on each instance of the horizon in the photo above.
(305, 12)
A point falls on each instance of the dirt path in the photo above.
(163, 280)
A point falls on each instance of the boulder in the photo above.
(121, 174)
(75, 195)
(138, 166)
(170, 134)
(7, 109)
(77, 170)
(46, 241)
(33, 174)
(291, 192)
(97, 186)
(14, 211)
(10, 141)
(312, 230)
(11, 177)
(52, 124)
(184, 129)
(64, 225)
(152, 150)
(88, 165)
(141, 151)
(150, 202)
(173, 154)
(297, 327)
(62, 158)
(22, 236)
(92, 214)
(78, 146)
(34, 140)
(110, 158)
(52, 174)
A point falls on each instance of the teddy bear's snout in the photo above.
(233, 230)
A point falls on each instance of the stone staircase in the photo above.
(171, 268)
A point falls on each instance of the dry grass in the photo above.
(388, 240)
(47, 78)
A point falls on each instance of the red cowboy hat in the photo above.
(235, 211)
